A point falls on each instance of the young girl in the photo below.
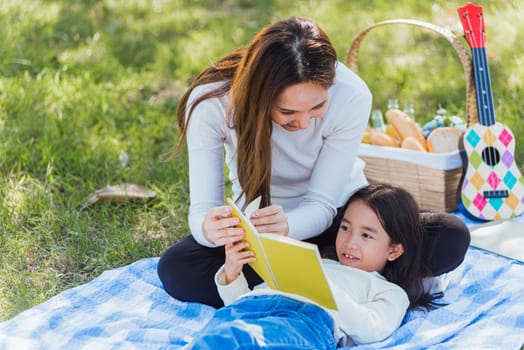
(378, 276)
(286, 118)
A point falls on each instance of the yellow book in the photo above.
(286, 264)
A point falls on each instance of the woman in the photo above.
(290, 119)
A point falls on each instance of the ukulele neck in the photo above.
(486, 110)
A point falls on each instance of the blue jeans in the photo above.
(268, 322)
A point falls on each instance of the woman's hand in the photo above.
(219, 226)
(271, 219)
(236, 257)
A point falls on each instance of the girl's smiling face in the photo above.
(298, 104)
(362, 242)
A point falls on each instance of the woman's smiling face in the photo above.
(298, 104)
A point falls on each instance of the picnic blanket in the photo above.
(127, 308)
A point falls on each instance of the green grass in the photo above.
(82, 82)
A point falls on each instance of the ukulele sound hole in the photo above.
(491, 156)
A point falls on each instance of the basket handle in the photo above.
(463, 53)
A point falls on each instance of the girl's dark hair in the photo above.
(399, 215)
(283, 54)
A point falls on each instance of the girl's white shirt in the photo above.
(314, 170)
(370, 308)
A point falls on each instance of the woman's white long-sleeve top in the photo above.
(313, 170)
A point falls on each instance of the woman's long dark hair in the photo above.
(283, 54)
(399, 215)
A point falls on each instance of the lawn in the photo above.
(88, 94)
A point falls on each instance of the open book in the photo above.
(285, 263)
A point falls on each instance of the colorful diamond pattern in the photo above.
(507, 159)
(479, 201)
(493, 180)
(512, 201)
(496, 203)
(466, 201)
(489, 138)
(510, 180)
(481, 177)
(505, 137)
(477, 181)
(475, 160)
(473, 138)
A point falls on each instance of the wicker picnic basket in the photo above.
(433, 183)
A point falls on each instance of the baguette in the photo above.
(381, 139)
(413, 143)
(405, 126)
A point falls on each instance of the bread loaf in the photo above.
(391, 132)
(381, 139)
(445, 139)
(413, 143)
(365, 137)
(405, 126)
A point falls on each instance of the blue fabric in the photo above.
(127, 308)
(268, 322)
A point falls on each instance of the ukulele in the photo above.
(493, 187)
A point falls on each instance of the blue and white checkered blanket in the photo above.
(127, 308)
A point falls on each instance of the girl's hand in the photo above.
(271, 219)
(236, 257)
(219, 226)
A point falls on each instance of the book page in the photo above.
(260, 265)
(297, 268)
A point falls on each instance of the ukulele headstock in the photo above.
(472, 20)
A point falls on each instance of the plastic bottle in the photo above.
(441, 116)
(377, 120)
(409, 110)
(393, 103)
